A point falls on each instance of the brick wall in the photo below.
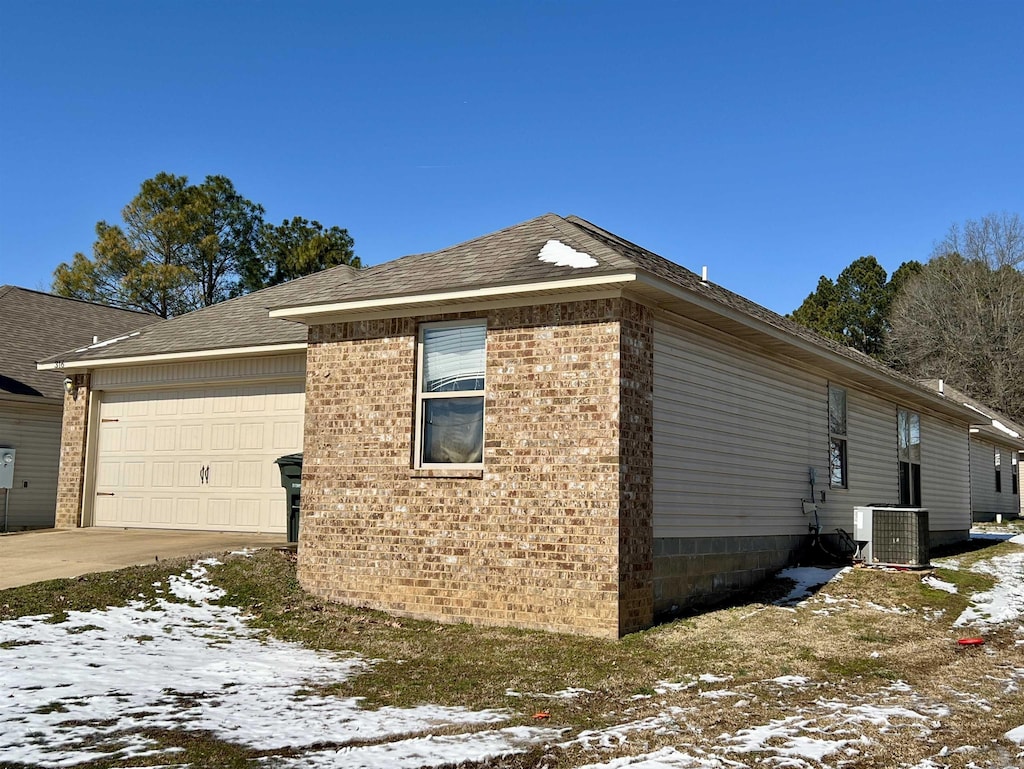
(73, 439)
(554, 533)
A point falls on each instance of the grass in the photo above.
(877, 627)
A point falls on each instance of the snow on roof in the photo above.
(561, 255)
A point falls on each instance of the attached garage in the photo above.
(177, 426)
(196, 458)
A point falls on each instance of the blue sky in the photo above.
(772, 141)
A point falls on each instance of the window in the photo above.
(450, 394)
(909, 427)
(1015, 475)
(999, 472)
(837, 463)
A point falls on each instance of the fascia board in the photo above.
(323, 313)
(193, 355)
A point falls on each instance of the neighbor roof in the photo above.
(992, 423)
(37, 325)
(236, 323)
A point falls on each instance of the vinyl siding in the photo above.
(945, 475)
(736, 431)
(267, 367)
(984, 498)
(734, 435)
(34, 432)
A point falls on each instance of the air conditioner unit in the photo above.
(894, 535)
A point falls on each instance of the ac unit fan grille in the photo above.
(900, 536)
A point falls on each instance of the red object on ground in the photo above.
(541, 715)
(971, 641)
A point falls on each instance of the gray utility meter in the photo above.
(6, 468)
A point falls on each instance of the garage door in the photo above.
(200, 458)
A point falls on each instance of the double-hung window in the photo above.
(450, 394)
(1016, 474)
(999, 472)
(909, 428)
(837, 461)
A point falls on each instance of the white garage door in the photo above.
(200, 458)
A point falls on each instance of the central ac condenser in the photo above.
(894, 535)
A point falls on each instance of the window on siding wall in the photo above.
(909, 427)
(450, 394)
(837, 460)
(999, 472)
(1016, 474)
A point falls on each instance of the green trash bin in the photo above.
(291, 479)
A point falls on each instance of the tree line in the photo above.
(959, 316)
(185, 246)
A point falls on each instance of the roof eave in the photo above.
(413, 304)
(86, 364)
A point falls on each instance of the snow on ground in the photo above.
(807, 580)
(1002, 604)
(78, 690)
(82, 689)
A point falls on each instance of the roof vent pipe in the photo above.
(704, 274)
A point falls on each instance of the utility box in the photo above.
(291, 480)
(6, 468)
(892, 535)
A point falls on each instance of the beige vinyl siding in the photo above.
(945, 475)
(984, 498)
(267, 367)
(734, 435)
(33, 430)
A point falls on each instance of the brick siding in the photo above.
(554, 533)
(74, 436)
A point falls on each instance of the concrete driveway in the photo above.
(33, 556)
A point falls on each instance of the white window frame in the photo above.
(421, 396)
(841, 440)
(904, 450)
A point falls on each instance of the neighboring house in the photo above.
(996, 446)
(551, 427)
(177, 426)
(37, 325)
(546, 427)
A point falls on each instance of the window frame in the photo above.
(998, 458)
(1015, 473)
(421, 395)
(909, 468)
(838, 442)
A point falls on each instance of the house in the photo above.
(177, 425)
(545, 427)
(996, 444)
(552, 427)
(36, 325)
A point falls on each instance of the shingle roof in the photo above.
(241, 322)
(508, 257)
(37, 325)
(501, 258)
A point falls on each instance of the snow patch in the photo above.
(808, 579)
(191, 665)
(937, 584)
(1005, 601)
(557, 253)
